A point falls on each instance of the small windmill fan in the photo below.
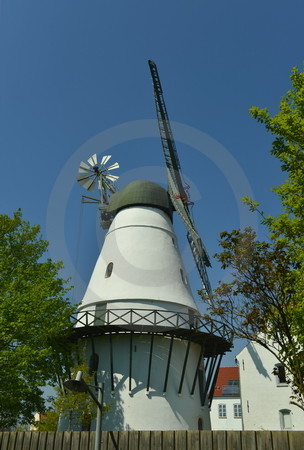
(97, 174)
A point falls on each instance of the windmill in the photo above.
(144, 336)
(94, 174)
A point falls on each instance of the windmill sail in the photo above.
(176, 188)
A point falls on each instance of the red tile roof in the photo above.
(225, 374)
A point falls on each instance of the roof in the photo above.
(141, 193)
(227, 383)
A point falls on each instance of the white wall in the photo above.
(139, 409)
(228, 423)
(261, 395)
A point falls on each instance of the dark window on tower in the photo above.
(279, 371)
(109, 270)
(184, 278)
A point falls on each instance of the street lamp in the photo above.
(79, 385)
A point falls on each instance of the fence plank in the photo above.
(42, 440)
(84, 441)
(156, 440)
(34, 440)
(133, 440)
(248, 440)
(58, 441)
(19, 440)
(219, 440)
(105, 438)
(296, 440)
(26, 444)
(144, 440)
(193, 440)
(50, 440)
(5, 440)
(168, 440)
(12, 440)
(279, 440)
(263, 440)
(123, 439)
(92, 440)
(234, 440)
(206, 440)
(181, 439)
(66, 440)
(112, 440)
(75, 440)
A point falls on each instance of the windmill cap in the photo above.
(141, 193)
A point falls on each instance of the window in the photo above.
(222, 413)
(231, 388)
(109, 270)
(285, 419)
(279, 371)
(185, 281)
(237, 410)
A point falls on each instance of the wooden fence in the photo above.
(154, 440)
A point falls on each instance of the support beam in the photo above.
(111, 362)
(168, 364)
(201, 355)
(150, 361)
(130, 362)
(184, 368)
(211, 391)
(208, 381)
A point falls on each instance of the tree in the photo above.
(34, 321)
(75, 407)
(264, 302)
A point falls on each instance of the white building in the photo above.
(265, 395)
(226, 410)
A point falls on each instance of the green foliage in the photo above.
(49, 421)
(34, 320)
(264, 302)
(77, 407)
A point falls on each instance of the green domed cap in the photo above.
(141, 192)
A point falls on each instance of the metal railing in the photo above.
(150, 318)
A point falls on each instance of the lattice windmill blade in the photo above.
(105, 159)
(112, 177)
(177, 192)
(83, 168)
(93, 160)
(114, 166)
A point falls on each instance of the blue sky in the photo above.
(74, 78)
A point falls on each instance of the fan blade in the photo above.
(93, 160)
(109, 186)
(114, 166)
(89, 185)
(83, 177)
(105, 159)
(83, 168)
(111, 177)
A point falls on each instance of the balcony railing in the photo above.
(149, 320)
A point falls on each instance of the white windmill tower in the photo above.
(145, 338)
